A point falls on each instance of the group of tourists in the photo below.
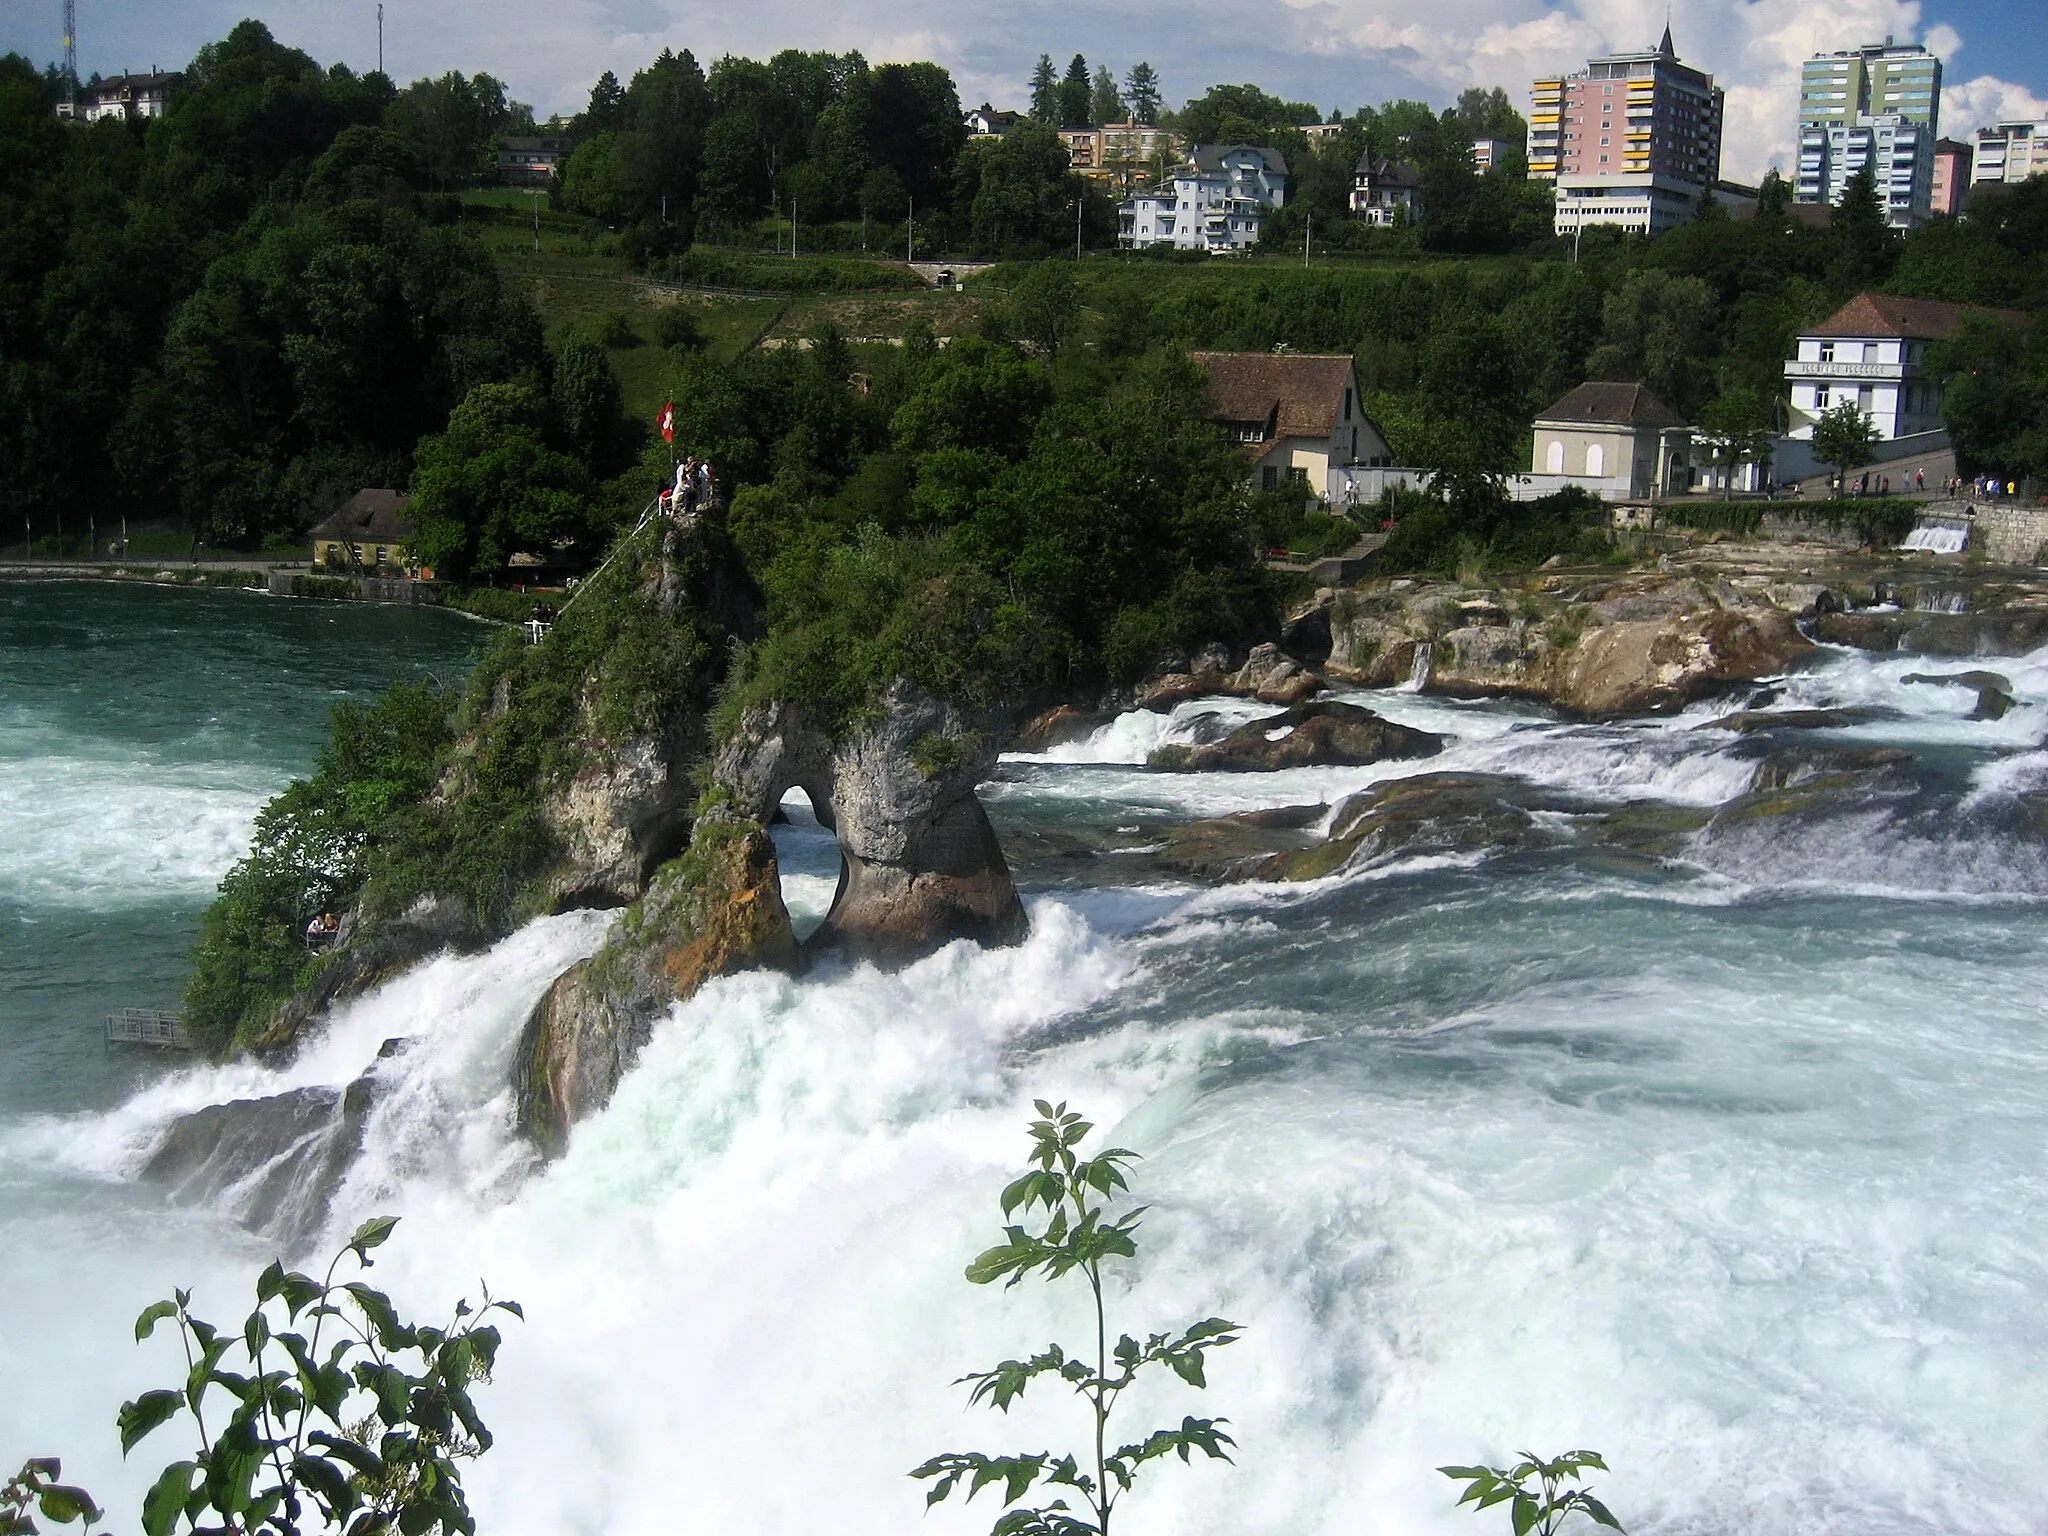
(694, 487)
(323, 931)
(1985, 487)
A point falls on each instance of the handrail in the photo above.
(646, 517)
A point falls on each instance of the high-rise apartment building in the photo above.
(1633, 140)
(1953, 160)
(1878, 106)
(2011, 152)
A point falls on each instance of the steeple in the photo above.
(1665, 48)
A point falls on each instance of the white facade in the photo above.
(1639, 203)
(1877, 106)
(128, 96)
(1879, 375)
(2010, 152)
(1217, 202)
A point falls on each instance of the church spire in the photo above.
(1665, 47)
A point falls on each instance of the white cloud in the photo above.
(1979, 103)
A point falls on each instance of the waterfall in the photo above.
(1418, 675)
(1937, 539)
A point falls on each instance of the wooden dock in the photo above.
(147, 1026)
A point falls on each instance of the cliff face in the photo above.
(922, 866)
(714, 911)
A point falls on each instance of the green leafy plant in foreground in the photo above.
(1078, 1237)
(35, 1490)
(364, 1438)
(1546, 1506)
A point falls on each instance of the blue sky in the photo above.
(1336, 53)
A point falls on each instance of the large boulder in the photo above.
(922, 866)
(2007, 632)
(1432, 812)
(714, 911)
(1322, 733)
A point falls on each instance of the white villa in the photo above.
(1217, 201)
(1298, 418)
(1871, 352)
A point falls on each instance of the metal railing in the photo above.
(147, 1026)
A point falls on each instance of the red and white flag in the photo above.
(667, 422)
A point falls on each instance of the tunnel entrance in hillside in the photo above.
(808, 859)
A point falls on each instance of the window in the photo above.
(1596, 461)
(1347, 409)
(1553, 458)
(1827, 351)
(1269, 478)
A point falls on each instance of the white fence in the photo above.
(1359, 486)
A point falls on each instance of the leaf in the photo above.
(153, 1314)
(165, 1501)
(328, 1482)
(62, 1503)
(371, 1234)
(383, 1318)
(361, 1457)
(1525, 1514)
(148, 1411)
(1598, 1511)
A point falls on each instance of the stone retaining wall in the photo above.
(2009, 534)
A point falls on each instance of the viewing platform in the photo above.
(147, 1026)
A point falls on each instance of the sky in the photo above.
(1338, 54)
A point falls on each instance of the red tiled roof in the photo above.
(1299, 394)
(1883, 314)
(1610, 404)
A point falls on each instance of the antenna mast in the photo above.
(70, 57)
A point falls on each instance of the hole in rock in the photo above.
(807, 854)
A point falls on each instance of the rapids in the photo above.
(1729, 1166)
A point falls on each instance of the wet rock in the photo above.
(1060, 726)
(272, 1163)
(429, 927)
(923, 866)
(1650, 829)
(1322, 733)
(1433, 812)
(2011, 632)
(1804, 599)
(714, 911)
(1237, 847)
(1826, 767)
(1746, 721)
(1268, 675)
(1994, 692)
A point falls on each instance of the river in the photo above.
(1728, 1164)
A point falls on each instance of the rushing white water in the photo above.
(1729, 1167)
(1937, 539)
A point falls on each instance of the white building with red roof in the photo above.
(1872, 353)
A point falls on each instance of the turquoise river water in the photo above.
(1729, 1163)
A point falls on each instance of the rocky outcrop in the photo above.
(1745, 722)
(922, 866)
(714, 911)
(1238, 847)
(1324, 733)
(428, 927)
(1994, 690)
(1060, 726)
(2008, 632)
(1268, 674)
(1432, 812)
(1639, 643)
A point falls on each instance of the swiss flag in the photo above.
(667, 422)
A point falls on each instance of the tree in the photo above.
(451, 124)
(1024, 192)
(489, 486)
(1772, 194)
(1995, 396)
(1105, 103)
(1076, 94)
(910, 121)
(1865, 246)
(1240, 114)
(1490, 115)
(1079, 1237)
(1736, 427)
(1047, 304)
(1045, 91)
(1141, 92)
(1656, 329)
(606, 112)
(1843, 437)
